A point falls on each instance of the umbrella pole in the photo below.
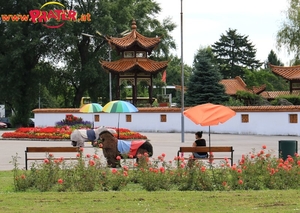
(209, 135)
(118, 126)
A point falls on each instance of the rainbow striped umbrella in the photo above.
(91, 108)
(119, 106)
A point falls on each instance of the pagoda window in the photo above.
(140, 54)
(129, 54)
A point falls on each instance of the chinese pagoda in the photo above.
(134, 65)
(291, 74)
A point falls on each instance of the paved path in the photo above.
(167, 143)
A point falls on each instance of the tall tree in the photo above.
(203, 85)
(234, 52)
(288, 34)
(62, 62)
(273, 59)
(81, 54)
(22, 46)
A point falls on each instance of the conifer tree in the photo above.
(233, 53)
(203, 86)
(273, 59)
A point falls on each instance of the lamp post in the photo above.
(182, 78)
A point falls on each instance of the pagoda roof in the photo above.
(128, 64)
(133, 38)
(289, 73)
(237, 84)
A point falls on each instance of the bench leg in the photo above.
(26, 167)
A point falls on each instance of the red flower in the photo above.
(264, 146)
(118, 158)
(92, 163)
(60, 181)
(162, 169)
(240, 182)
(46, 161)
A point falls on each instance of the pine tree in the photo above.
(203, 86)
(272, 59)
(234, 53)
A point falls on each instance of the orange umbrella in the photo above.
(209, 114)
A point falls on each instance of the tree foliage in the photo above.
(61, 65)
(203, 86)
(23, 46)
(288, 34)
(265, 76)
(273, 59)
(234, 52)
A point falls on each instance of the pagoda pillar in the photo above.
(150, 91)
(134, 92)
(118, 88)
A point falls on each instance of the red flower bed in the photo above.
(62, 133)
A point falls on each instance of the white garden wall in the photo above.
(264, 122)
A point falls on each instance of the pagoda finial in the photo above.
(133, 25)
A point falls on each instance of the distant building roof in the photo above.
(275, 94)
(237, 84)
(289, 73)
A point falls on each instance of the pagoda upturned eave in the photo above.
(124, 65)
(134, 39)
(289, 73)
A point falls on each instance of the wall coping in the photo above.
(291, 108)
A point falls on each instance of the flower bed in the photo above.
(63, 129)
(62, 133)
(255, 171)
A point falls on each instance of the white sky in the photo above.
(205, 21)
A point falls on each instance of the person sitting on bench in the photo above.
(199, 142)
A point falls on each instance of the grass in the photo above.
(133, 199)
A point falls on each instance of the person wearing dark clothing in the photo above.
(199, 142)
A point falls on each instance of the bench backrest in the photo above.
(52, 149)
(206, 149)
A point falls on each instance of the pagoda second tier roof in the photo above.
(289, 73)
(132, 39)
(128, 64)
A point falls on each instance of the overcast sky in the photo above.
(205, 21)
